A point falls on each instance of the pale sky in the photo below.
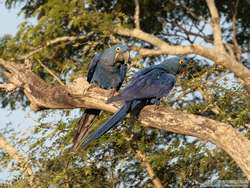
(9, 20)
(19, 120)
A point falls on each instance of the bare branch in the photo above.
(137, 33)
(7, 87)
(188, 10)
(142, 157)
(114, 40)
(215, 22)
(247, 126)
(51, 72)
(189, 32)
(21, 160)
(80, 94)
(163, 48)
(234, 32)
(53, 42)
(137, 14)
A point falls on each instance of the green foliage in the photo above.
(178, 161)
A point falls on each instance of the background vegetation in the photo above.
(207, 89)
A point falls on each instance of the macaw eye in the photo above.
(181, 62)
(118, 49)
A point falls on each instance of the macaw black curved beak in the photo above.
(125, 56)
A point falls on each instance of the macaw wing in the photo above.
(92, 66)
(123, 71)
(154, 84)
(143, 72)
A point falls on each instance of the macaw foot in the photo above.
(156, 101)
(88, 88)
(111, 94)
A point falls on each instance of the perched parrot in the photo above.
(107, 70)
(147, 87)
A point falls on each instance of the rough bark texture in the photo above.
(22, 162)
(221, 134)
(82, 95)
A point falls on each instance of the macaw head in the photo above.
(175, 65)
(118, 53)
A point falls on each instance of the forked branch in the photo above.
(218, 54)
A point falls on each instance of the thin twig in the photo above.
(156, 181)
(215, 22)
(51, 72)
(53, 42)
(143, 158)
(189, 11)
(137, 14)
(234, 32)
(204, 37)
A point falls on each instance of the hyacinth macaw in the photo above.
(107, 70)
(147, 87)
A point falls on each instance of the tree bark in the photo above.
(80, 94)
(20, 159)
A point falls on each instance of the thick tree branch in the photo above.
(139, 34)
(21, 160)
(7, 87)
(80, 95)
(161, 46)
(215, 22)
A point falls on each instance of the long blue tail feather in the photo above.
(111, 123)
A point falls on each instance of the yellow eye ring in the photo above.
(118, 49)
(181, 62)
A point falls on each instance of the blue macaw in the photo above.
(147, 86)
(107, 70)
